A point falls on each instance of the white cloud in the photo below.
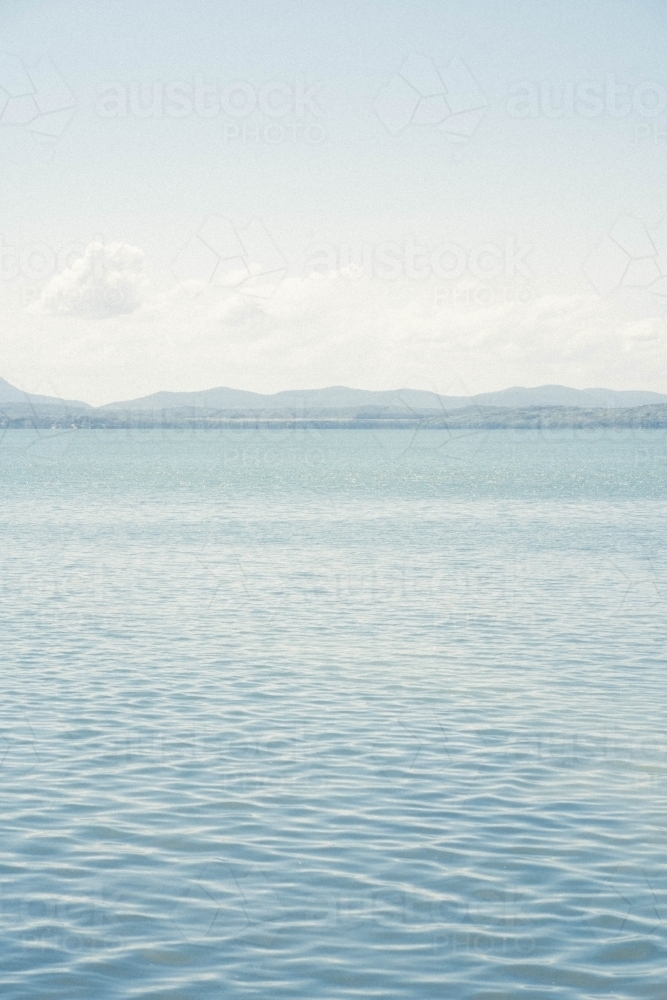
(338, 328)
(106, 281)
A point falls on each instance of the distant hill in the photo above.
(10, 395)
(561, 395)
(339, 406)
(340, 397)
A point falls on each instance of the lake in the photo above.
(333, 714)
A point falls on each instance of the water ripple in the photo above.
(333, 714)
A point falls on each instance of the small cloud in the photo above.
(107, 281)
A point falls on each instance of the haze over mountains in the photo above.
(337, 398)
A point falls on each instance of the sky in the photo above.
(457, 196)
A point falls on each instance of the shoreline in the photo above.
(650, 417)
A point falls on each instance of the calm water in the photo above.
(333, 714)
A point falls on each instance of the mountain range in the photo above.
(329, 401)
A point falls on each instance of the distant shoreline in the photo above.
(467, 418)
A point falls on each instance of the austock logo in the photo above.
(223, 256)
(419, 94)
(274, 112)
(409, 258)
(586, 99)
(35, 98)
(630, 256)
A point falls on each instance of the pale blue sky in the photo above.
(554, 184)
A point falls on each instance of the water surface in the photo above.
(333, 714)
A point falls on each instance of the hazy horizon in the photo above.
(11, 393)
